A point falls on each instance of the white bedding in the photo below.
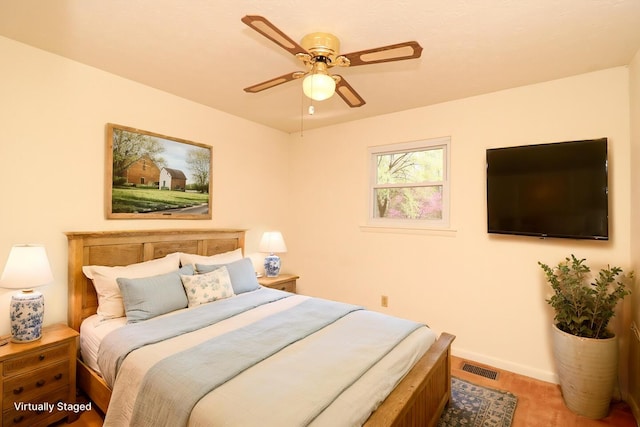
(353, 407)
(92, 331)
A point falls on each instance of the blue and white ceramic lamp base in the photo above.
(272, 265)
(27, 314)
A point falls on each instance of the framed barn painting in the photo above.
(153, 176)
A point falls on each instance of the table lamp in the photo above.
(272, 243)
(27, 268)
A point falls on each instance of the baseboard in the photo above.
(507, 366)
(533, 373)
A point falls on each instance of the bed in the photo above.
(416, 400)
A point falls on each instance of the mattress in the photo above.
(352, 407)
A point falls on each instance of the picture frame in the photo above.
(154, 176)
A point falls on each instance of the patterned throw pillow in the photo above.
(204, 288)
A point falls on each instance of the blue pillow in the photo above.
(148, 297)
(241, 272)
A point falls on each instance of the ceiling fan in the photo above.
(320, 52)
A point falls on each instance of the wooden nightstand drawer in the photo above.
(289, 286)
(284, 282)
(35, 376)
(35, 359)
(36, 414)
(33, 384)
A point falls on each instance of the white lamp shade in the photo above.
(27, 267)
(272, 242)
(318, 86)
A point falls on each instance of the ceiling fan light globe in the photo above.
(319, 86)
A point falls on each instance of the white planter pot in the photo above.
(587, 369)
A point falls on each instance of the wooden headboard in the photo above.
(113, 248)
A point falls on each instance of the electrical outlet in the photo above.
(384, 301)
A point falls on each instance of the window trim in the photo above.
(374, 151)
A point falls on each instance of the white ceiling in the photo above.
(200, 50)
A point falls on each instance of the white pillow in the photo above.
(110, 303)
(223, 258)
(204, 288)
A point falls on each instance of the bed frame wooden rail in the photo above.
(418, 400)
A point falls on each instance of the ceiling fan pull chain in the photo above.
(312, 109)
(302, 115)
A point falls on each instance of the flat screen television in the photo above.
(549, 190)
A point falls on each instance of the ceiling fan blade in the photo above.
(270, 31)
(394, 52)
(273, 82)
(348, 94)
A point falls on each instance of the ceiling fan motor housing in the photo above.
(321, 45)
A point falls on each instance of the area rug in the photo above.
(476, 406)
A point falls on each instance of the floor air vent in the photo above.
(483, 372)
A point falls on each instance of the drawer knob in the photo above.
(18, 390)
(40, 383)
(57, 376)
(18, 419)
(41, 357)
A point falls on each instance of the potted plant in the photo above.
(585, 350)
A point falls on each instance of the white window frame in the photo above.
(445, 144)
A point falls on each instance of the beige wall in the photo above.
(487, 290)
(52, 124)
(634, 354)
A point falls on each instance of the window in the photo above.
(409, 184)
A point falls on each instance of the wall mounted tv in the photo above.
(549, 190)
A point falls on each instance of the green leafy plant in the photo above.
(584, 308)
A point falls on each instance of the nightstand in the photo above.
(284, 282)
(38, 375)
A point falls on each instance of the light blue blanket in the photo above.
(355, 341)
(193, 373)
(119, 343)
